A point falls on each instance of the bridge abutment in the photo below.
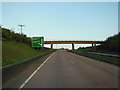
(94, 46)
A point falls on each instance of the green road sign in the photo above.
(37, 41)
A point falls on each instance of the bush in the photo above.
(10, 35)
(112, 43)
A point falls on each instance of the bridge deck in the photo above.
(75, 42)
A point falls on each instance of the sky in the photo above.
(62, 20)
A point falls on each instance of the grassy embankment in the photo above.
(13, 51)
(0, 53)
(83, 52)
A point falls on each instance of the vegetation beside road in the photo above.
(108, 59)
(15, 51)
(9, 35)
(17, 47)
(112, 44)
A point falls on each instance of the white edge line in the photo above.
(34, 72)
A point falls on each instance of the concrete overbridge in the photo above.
(74, 42)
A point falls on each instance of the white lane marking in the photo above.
(34, 72)
(100, 62)
(72, 62)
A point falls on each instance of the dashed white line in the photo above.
(72, 62)
(34, 72)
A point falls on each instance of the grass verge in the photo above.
(108, 59)
(16, 51)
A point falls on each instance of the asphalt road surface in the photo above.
(67, 70)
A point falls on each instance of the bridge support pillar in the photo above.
(72, 46)
(51, 46)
